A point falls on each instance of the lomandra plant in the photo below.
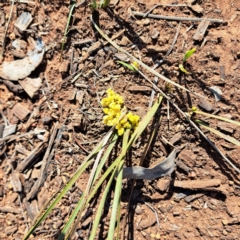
(125, 127)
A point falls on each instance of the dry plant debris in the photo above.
(51, 115)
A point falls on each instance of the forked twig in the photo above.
(155, 212)
(140, 14)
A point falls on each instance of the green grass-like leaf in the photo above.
(117, 165)
(129, 66)
(58, 196)
(183, 69)
(104, 3)
(70, 221)
(188, 54)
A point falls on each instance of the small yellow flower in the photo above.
(194, 109)
(135, 64)
(112, 107)
(120, 131)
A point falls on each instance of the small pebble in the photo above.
(225, 232)
(158, 236)
(152, 235)
(176, 214)
(231, 183)
(225, 222)
(138, 210)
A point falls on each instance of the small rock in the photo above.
(225, 233)
(152, 235)
(138, 210)
(20, 111)
(36, 173)
(217, 92)
(23, 21)
(10, 230)
(80, 96)
(231, 183)
(192, 174)
(155, 33)
(176, 213)
(143, 233)
(86, 222)
(158, 236)
(227, 127)
(144, 21)
(163, 184)
(64, 67)
(122, 57)
(196, 8)
(12, 198)
(225, 222)
(19, 48)
(205, 105)
(31, 85)
(57, 224)
(1, 191)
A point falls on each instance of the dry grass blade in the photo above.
(139, 62)
(222, 135)
(217, 117)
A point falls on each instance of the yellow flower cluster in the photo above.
(112, 106)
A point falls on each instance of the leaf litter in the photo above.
(53, 99)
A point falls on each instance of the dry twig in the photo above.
(171, 18)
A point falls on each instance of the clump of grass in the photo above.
(98, 158)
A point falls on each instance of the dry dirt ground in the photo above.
(30, 172)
